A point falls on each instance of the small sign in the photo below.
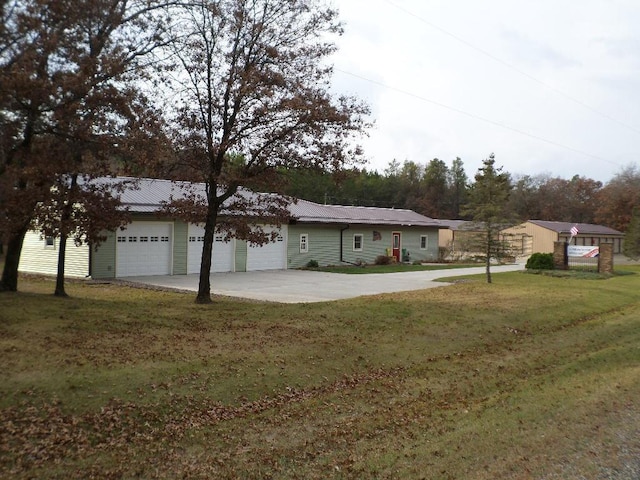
(584, 252)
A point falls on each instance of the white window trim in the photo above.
(426, 243)
(304, 243)
(46, 243)
(361, 242)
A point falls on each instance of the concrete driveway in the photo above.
(304, 286)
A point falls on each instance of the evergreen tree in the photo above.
(435, 186)
(487, 207)
(458, 190)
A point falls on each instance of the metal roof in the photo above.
(583, 228)
(454, 224)
(146, 195)
(310, 212)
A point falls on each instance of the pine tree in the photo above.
(488, 199)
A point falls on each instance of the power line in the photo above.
(477, 117)
(514, 68)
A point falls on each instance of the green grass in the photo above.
(529, 377)
(393, 268)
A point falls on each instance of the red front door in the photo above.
(396, 246)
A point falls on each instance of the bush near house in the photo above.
(384, 260)
(540, 261)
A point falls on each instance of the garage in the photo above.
(221, 258)
(144, 248)
(270, 256)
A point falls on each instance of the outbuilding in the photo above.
(542, 234)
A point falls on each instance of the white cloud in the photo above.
(539, 69)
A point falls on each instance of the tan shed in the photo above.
(544, 233)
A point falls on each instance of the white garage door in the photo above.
(270, 256)
(144, 248)
(221, 258)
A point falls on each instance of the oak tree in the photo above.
(252, 99)
(631, 246)
(618, 198)
(69, 73)
(80, 209)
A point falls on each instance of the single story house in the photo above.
(544, 233)
(155, 245)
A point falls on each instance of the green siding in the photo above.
(180, 237)
(371, 248)
(241, 256)
(411, 241)
(324, 244)
(103, 258)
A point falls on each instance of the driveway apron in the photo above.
(305, 286)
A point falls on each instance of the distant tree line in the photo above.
(438, 190)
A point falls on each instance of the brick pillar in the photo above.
(560, 259)
(605, 259)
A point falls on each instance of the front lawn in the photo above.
(529, 377)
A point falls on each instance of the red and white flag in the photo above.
(574, 230)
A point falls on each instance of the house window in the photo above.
(144, 239)
(424, 242)
(304, 243)
(192, 239)
(357, 242)
(133, 239)
(49, 242)
(154, 239)
(122, 239)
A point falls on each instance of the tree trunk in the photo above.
(9, 282)
(204, 286)
(488, 264)
(59, 292)
(64, 225)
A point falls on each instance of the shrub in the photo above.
(312, 264)
(443, 253)
(540, 261)
(383, 260)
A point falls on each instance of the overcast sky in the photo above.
(549, 86)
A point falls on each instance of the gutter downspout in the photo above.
(342, 260)
(342, 230)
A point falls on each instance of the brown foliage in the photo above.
(38, 435)
(68, 102)
(251, 99)
(618, 199)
